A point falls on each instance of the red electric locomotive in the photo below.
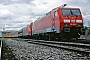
(59, 23)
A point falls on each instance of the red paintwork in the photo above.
(27, 30)
(52, 21)
(73, 18)
(46, 22)
(24, 31)
(31, 28)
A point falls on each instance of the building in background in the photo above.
(10, 34)
(0, 34)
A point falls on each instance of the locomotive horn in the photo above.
(63, 5)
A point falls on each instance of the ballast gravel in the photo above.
(28, 51)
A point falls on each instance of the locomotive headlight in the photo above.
(79, 21)
(80, 25)
(65, 24)
(67, 21)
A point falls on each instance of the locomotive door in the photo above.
(54, 18)
(55, 22)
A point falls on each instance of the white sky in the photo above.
(19, 13)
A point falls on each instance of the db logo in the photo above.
(72, 20)
(72, 24)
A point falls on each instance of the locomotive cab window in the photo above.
(55, 14)
(70, 12)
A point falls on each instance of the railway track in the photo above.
(0, 48)
(76, 47)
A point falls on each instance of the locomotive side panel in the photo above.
(27, 31)
(43, 25)
(48, 26)
(49, 23)
(24, 31)
(56, 20)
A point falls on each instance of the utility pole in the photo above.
(3, 28)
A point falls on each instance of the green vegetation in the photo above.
(16, 38)
(88, 32)
(3, 39)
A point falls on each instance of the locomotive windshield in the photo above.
(71, 12)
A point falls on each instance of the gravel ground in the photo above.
(88, 37)
(26, 51)
(7, 53)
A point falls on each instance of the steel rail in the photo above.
(64, 43)
(61, 45)
(0, 49)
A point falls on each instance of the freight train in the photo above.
(59, 23)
